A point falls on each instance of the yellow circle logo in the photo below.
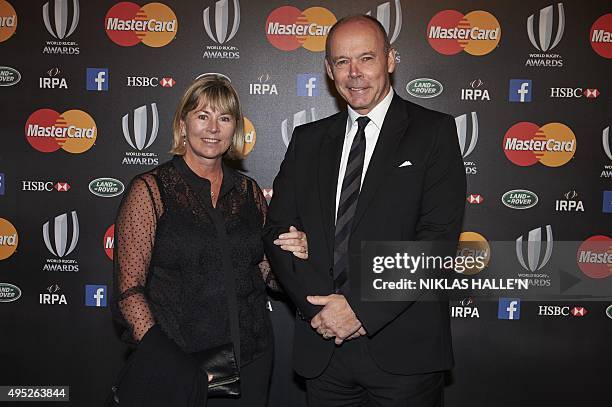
(473, 245)
(250, 136)
(8, 20)
(9, 239)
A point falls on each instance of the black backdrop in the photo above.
(537, 360)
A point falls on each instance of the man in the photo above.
(385, 170)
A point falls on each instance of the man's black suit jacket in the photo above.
(423, 201)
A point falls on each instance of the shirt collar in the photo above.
(202, 185)
(376, 115)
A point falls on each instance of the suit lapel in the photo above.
(394, 126)
(329, 165)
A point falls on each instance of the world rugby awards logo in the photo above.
(299, 118)
(383, 15)
(139, 137)
(220, 34)
(543, 41)
(61, 22)
(605, 139)
(61, 235)
(462, 132)
(537, 257)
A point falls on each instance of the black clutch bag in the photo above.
(221, 363)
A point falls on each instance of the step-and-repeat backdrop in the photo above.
(87, 93)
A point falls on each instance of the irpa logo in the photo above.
(299, 118)
(462, 132)
(138, 139)
(383, 15)
(58, 27)
(544, 41)
(535, 259)
(221, 36)
(61, 230)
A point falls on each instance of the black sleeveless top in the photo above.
(168, 259)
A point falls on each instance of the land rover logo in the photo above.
(9, 292)
(424, 88)
(106, 187)
(520, 199)
(9, 76)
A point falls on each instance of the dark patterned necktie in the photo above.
(349, 196)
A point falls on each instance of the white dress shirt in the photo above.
(372, 131)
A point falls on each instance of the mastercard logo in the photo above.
(8, 239)
(601, 36)
(449, 32)
(8, 20)
(473, 245)
(553, 144)
(288, 28)
(594, 257)
(153, 24)
(109, 241)
(73, 131)
(250, 136)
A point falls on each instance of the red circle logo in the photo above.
(594, 256)
(109, 241)
(601, 35)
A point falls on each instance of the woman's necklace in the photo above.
(213, 182)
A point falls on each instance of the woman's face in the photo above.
(209, 133)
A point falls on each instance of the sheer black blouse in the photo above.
(168, 261)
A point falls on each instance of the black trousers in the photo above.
(352, 378)
(254, 382)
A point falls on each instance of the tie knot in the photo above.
(362, 122)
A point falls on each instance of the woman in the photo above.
(181, 229)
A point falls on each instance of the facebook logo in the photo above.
(509, 308)
(1, 183)
(520, 90)
(308, 84)
(95, 295)
(607, 201)
(97, 79)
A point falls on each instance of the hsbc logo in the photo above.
(532, 249)
(44, 186)
(383, 15)
(574, 93)
(299, 119)
(149, 82)
(561, 311)
(475, 199)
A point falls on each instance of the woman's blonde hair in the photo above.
(216, 92)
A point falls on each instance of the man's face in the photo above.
(359, 66)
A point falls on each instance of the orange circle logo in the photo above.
(473, 245)
(9, 239)
(73, 131)
(250, 137)
(8, 20)
(450, 32)
(553, 144)
(153, 24)
(288, 28)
